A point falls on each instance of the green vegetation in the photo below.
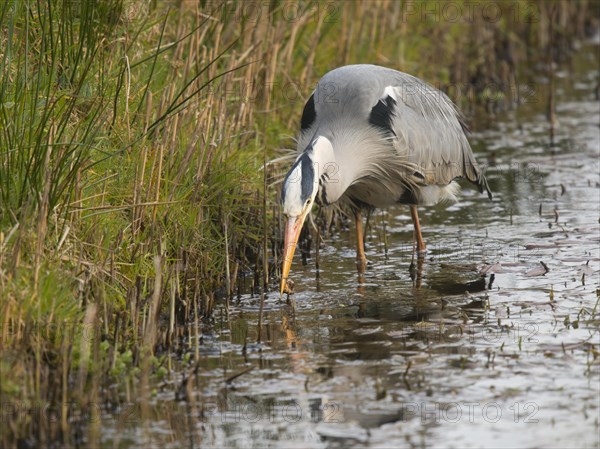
(132, 141)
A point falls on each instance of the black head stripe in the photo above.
(309, 114)
(306, 180)
(307, 177)
(382, 113)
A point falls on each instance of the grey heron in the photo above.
(372, 137)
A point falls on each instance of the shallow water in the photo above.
(481, 345)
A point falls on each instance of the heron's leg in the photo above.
(418, 237)
(361, 260)
(416, 271)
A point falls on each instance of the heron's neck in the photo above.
(335, 173)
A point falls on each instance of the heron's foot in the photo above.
(361, 264)
(288, 287)
(421, 252)
(415, 271)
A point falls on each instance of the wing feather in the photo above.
(430, 132)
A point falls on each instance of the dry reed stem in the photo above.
(88, 329)
(151, 325)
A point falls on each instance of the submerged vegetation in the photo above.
(134, 195)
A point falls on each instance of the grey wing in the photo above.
(427, 129)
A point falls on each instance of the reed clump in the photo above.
(134, 196)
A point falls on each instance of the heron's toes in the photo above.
(361, 264)
(421, 252)
(288, 287)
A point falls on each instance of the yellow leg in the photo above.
(361, 260)
(418, 237)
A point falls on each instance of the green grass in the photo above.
(132, 137)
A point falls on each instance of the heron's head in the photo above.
(300, 189)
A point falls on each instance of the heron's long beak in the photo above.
(293, 227)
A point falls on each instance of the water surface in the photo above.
(493, 341)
